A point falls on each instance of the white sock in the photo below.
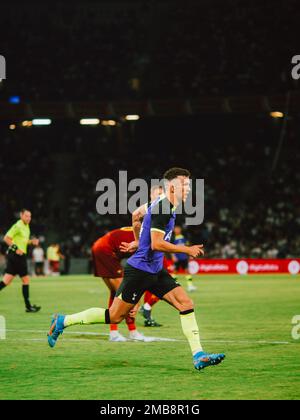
(198, 351)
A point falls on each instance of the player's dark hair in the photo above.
(175, 172)
(22, 211)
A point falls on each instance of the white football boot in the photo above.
(191, 288)
(116, 336)
(136, 336)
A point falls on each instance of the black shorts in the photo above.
(136, 282)
(181, 264)
(39, 266)
(16, 264)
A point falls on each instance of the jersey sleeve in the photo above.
(13, 231)
(159, 222)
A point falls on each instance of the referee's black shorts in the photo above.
(136, 282)
(16, 264)
(181, 264)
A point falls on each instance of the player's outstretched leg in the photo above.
(118, 311)
(25, 292)
(146, 309)
(134, 334)
(190, 286)
(114, 333)
(190, 329)
(7, 279)
(180, 300)
(90, 316)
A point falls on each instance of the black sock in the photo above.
(147, 313)
(2, 285)
(107, 316)
(25, 290)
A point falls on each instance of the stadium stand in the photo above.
(250, 211)
(158, 50)
(208, 52)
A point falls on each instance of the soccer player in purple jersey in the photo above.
(182, 260)
(144, 271)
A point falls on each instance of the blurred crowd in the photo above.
(139, 50)
(250, 210)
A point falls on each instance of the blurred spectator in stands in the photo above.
(54, 256)
(38, 259)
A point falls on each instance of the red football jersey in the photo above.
(110, 243)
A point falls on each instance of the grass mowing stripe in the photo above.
(158, 338)
(247, 318)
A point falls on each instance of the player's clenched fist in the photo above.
(196, 251)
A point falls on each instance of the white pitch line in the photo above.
(247, 342)
(65, 332)
(78, 340)
(261, 342)
(148, 339)
(155, 339)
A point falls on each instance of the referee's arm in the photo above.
(8, 238)
(8, 241)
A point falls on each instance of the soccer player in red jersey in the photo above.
(107, 258)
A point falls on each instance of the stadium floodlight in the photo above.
(12, 126)
(89, 121)
(132, 117)
(26, 123)
(14, 99)
(41, 121)
(109, 122)
(277, 114)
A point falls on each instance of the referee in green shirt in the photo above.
(17, 239)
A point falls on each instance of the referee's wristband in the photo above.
(13, 248)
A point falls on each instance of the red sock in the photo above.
(130, 323)
(150, 299)
(113, 327)
(147, 296)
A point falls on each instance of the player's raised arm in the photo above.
(159, 244)
(137, 218)
(139, 213)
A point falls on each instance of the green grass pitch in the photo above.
(248, 318)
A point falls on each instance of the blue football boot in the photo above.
(202, 359)
(56, 328)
